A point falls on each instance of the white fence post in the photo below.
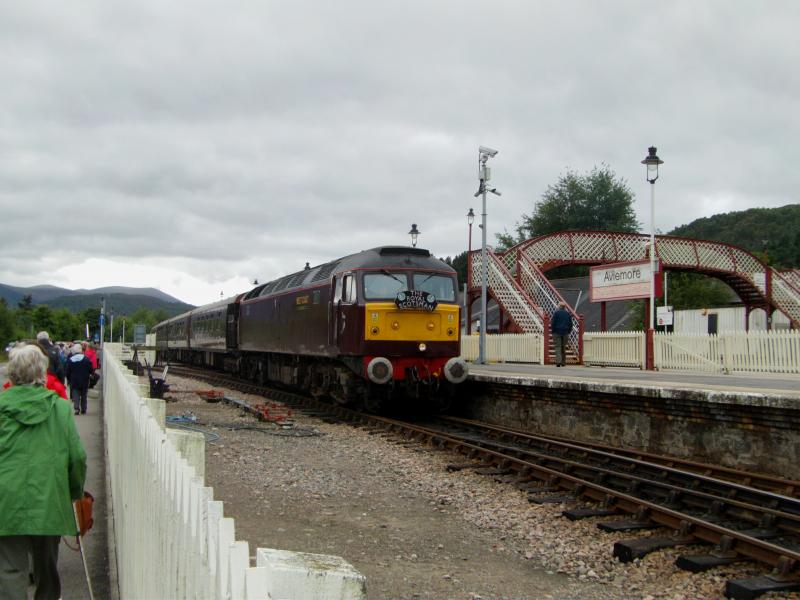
(506, 347)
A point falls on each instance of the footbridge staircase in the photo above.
(517, 281)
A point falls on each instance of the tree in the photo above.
(693, 290)
(688, 291)
(598, 200)
(24, 315)
(7, 327)
(42, 319)
(459, 263)
(66, 326)
(148, 317)
(91, 317)
(772, 234)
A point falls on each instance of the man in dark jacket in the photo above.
(79, 370)
(560, 326)
(43, 470)
(53, 355)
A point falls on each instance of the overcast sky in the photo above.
(195, 146)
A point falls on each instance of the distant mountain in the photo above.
(775, 231)
(119, 304)
(151, 292)
(123, 300)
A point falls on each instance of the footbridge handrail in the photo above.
(737, 267)
(509, 295)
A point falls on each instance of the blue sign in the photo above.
(102, 319)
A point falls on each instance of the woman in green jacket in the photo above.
(42, 469)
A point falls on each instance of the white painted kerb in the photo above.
(301, 575)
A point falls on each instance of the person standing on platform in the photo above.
(79, 370)
(90, 353)
(560, 326)
(43, 470)
(56, 368)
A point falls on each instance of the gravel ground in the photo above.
(411, 527)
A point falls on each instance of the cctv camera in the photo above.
(488, 151)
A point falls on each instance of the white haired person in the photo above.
(53, 355)
(79, 371)
(42, 469)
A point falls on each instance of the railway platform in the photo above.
(746, 421)
(96, 542)
(768, 385)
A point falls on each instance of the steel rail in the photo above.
(658, 473)
(782, 558)
(764, 508)
(770, 483)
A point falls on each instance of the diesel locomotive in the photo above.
(365, 329)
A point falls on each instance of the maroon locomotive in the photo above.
(364, 328)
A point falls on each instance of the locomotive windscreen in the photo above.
(384, 286)
(440, 286)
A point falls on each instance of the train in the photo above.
(367, 330)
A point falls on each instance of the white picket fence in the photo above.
(172, 538)
(506, 347)
(614, 349)
(755, 351)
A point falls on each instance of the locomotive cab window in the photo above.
(384, 285)
(440, 286)
(349, 288)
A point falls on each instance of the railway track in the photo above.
(739, 515)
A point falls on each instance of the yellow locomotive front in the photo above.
(412, 329)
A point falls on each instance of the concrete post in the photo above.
(302, 575)
(192, 446)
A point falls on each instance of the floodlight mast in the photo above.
(484, 175)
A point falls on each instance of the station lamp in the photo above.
(414, 233)
(652, 161)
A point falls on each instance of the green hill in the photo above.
(119, 304)
(774, 231)
(122, 300)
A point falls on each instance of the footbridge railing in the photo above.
(508, 294)
(173, 539)
(756, 283)
(517, 282)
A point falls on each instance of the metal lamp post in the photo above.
(485, 174)
(467, 301)
(652, 161)
(414, 233)
(102, 321)
(470, 220)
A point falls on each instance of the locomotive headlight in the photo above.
(395, 324)
(423, 347)
(431, 325)
(450, 331)
(375, 330)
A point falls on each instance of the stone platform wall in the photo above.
(746, 431)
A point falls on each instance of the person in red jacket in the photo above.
(52, 384)
(90, 353)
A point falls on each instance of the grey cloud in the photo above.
(243, 140)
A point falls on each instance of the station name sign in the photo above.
(622, 281)
(415, 299)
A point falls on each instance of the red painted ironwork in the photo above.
(758, 285)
